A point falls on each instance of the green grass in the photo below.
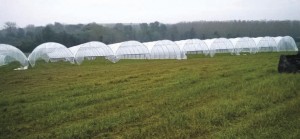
(221, 97)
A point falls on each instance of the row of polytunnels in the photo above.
(163, 49)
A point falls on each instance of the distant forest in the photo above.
(31, 36)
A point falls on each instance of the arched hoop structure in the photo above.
(221, 45)
(286, 43)
(193, 46)
(90, 51)
(266, 44)
(244, 44)
(9, 53)
(165, 49)
(129, 50)
(51, 51)
(212, 51)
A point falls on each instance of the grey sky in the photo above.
(42, 12)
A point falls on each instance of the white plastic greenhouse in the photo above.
(10, 53)
(220, 45)
(50, 51)
(286, 43)
(244, 44)
(193, 46)
(266, 44)
(164, 49)
(128, 50)
(90, 51)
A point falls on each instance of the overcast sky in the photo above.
(42, 12)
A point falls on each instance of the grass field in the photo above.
(221, 97)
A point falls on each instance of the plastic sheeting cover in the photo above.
(220, 45)
(10, 53)
(129, 50)
(244, 44)
(193, 46)
(90, 50)
(164, 49)
(266, 44)
(51, 51)
(286, 43)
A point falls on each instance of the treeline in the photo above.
(31, 36)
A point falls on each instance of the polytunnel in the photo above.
(193, 46)
(51, 51)
(244, 44)
(90, 51)
(9, 53)
(220, 45)
(286, 43)
(164, 49)
(266, 44)
(129, 50)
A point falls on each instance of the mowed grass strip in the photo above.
(221, 97)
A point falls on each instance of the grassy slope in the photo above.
(225, 96)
